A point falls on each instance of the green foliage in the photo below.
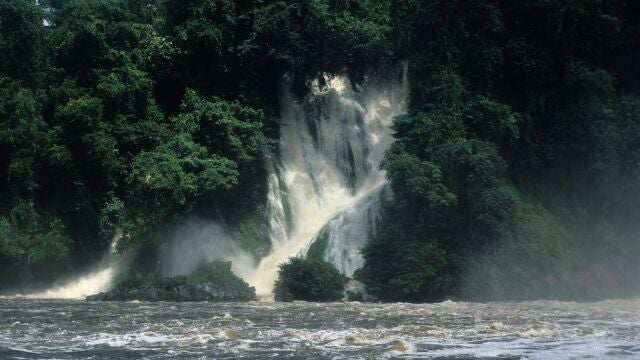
(24, 139)
(253, 236)
(21, 43)
(450, 201)
(30, 237)
(402, 267)
(216, 272)
(92, 130)
(224, 126)
(319, 246)
(492, 121)
(179, 169)
(309, 36)
(308, 279)
(111, 215)
(510, 100)
(167, 180)
(135, 114)
(422, 180)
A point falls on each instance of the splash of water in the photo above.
(98, 280)
(195, 241)
(199, 240)
(327, 176)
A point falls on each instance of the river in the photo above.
(63, 329)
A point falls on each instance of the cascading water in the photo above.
(324, 187)
(93, 282)
(325, 184)
(342, 238)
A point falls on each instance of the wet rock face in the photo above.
(213, 282)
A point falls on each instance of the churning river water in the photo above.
(49, 329)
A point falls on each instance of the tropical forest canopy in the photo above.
(515, 172)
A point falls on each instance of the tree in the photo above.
(21, 44)
(167, 181)
(29, 237)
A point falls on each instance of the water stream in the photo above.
(47, 329)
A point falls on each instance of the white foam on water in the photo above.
(335, 330)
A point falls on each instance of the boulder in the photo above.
(210, 282)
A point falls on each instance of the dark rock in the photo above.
(211, 282)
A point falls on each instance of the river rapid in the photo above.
(56, 329)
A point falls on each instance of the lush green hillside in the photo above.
(516, 172)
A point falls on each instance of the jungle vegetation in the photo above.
(516, 170)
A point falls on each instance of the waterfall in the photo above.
(325, 182)
(325, 188)
(100, 279)
(342, 238)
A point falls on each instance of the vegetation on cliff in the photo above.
(516, 168)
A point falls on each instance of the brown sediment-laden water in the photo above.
(56, 329)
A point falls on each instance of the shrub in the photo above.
(308, 279)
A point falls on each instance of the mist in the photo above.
(97, 278)
(199, 241)
(554, 256)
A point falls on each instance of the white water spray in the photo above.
(203, 241)
(326, 177)
(99, 280)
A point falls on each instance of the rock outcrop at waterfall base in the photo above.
(209, 282)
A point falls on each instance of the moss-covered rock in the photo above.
(209, 282)
(319, 246)
(252, 234)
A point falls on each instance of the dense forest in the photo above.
(515, 172)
